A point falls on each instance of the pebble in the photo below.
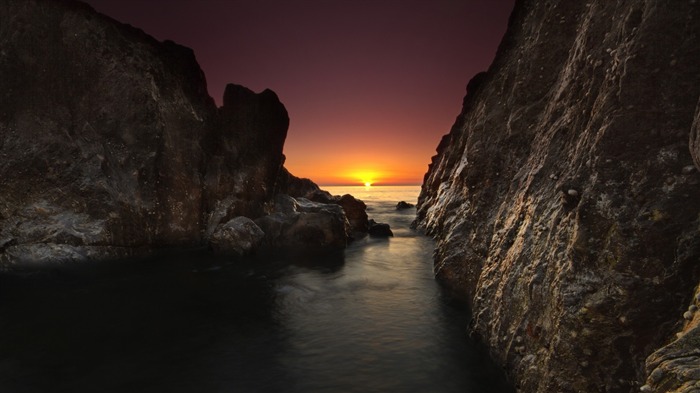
(693, 308)
(688, 315)
(645, 388)
(572, 192)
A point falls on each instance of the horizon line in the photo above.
(373, 185)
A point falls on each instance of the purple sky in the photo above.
(370, 86)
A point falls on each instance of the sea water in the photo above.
(370, 320)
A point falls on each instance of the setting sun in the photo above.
(368, 184)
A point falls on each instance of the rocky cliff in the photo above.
(565, 199)
(111, 146)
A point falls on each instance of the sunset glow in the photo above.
(366, 105)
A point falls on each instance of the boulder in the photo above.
(238, 237)
(379, 229)
(303, 226)
(404, 205)
(355, 211)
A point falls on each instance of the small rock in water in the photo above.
(404, 205)
(379, 229)
(572, 192)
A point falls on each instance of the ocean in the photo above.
(370, 320)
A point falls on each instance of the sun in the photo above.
(368, 184)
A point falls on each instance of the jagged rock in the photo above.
(377, 229)
(676, 367)
(303, 188)
(238, 237)
(403, 205)
(303, 226)
(559, 201)
(110, 142)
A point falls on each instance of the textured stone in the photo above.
(238, 237)
(303, 226)
(110, 144)
(559, 200)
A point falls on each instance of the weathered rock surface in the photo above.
(300, 225)
(676, 367)
(238, 237)
(110, 145)
(564, 200)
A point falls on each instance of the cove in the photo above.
(370, 320)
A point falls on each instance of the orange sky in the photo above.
(370, 86)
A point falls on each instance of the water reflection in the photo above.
(372, 319)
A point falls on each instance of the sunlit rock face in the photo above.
(564, 200)
(110, 144)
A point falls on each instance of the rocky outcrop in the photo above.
(564, 201)
(303, 226)
(110, 145)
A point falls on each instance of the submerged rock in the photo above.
(560, 201)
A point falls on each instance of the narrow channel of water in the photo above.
(371, 320)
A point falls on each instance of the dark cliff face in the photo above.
(565, 198)
(109, 141)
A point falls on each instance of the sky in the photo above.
(370, 85)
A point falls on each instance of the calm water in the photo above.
(371, 320)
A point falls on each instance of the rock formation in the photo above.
(403, 205)
(564, 200)
(110, 145)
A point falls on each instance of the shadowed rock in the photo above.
(404, 205)
(377, 229)
(110, 144)
(238, 237)
(303, 226)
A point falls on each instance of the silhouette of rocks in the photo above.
(404, 205)
(111, 145)
(355, 211)
(379, 229)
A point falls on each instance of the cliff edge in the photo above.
(110, 146)
(564, 200)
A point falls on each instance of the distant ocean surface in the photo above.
(371, 320)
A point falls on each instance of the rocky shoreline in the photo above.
(111, 147)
